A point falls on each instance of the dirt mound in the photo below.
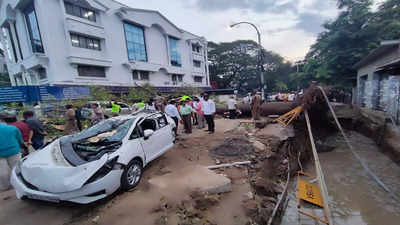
(192, 211)
(233, 147)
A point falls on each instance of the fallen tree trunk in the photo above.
(268, 108)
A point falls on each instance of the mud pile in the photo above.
(192, 211)
(235, 147)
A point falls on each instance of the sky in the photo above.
(288, 27)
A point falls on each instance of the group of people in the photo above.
(17, 136)
(192, 111)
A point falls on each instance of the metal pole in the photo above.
(260, 55)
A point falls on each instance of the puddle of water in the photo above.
(355, 198)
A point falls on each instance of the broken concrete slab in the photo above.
(277, 130)
(193, 178)
(259, 146)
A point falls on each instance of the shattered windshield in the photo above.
(93, 143)
(106, 131)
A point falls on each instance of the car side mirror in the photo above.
(148, 133)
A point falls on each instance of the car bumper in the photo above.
(86, 194)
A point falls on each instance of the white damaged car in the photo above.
(93, 164)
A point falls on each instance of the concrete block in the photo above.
(193, 178)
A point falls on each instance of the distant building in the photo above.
(98, 42)
(378, 78)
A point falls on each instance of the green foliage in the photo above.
(187, 90)
(355, 32)
(143, 93)
(280, 86)
(99, 93)
(236, 65)
(5, 79)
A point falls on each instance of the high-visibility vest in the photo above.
(115, 108)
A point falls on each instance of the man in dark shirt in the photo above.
(38, 129)
(25, 130)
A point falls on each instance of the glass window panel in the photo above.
(198, 79)
(144, 75)
(136, 47)
(135, 75)
(33, 28)
(91, 71)
(76, 11)
(79, 11)
(85, 42)
(174, 52)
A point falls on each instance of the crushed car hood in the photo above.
(47, 170)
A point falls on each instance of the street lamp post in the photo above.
(260, 55)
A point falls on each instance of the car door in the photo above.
(151, 145)
(132, 147)
(166, 137)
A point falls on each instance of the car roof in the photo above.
(140, 114)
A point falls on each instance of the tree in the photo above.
(99, 93)
(143, 93)
(236, 65)
(350, 37)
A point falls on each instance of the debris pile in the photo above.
(188, 212)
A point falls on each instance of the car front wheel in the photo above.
(131, 175)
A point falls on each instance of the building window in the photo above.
(197, 63)
(42, 73)
(174, 52)
(140, 75)
(198, 79)
(135, 43)
(79, 11)
(33, 28)
(196, 48)
(176, 78)
(11, 52)
(91, 71)
(85, 42)
(19, 44)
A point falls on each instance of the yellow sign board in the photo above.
(309, 192)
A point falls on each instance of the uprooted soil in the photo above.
(233, 147)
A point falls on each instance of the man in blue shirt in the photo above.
(10, 148)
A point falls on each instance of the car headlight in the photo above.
(103, 171)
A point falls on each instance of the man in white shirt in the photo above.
(172, 111)
(232, 104)
(208, 108)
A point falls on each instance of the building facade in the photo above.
(98, 42)
(378, 79)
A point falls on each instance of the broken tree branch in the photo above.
(228, 165)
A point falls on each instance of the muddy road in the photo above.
(140, 205)
(355, 198)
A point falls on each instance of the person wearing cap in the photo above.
(172, 112)
(186, 112)
(25, 130)
(10, 148)
(208, 108)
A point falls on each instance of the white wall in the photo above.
(61, 58)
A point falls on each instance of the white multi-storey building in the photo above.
(98, 42)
